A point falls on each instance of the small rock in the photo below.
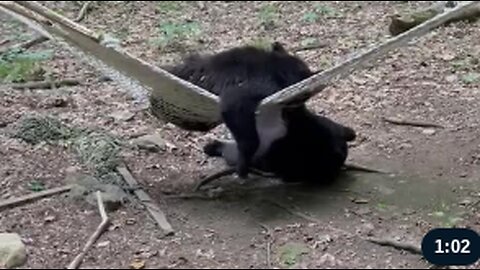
(114, 226)
(405, 146)
(327, 259)
(130, 221)
(451, 78)
(463, 174)
(465, 202)
(12, 250)
(153, 142)
(363, 211)
(429, 131)
(122, 116)
(148, 254)
(360, 201)
(447, 56)
(49, 219)
(367, 229)
(54, 102)
(103, 244)
(325, 239)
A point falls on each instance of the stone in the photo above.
(12, 250)
(429, 131)
(151, 142)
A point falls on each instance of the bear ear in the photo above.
(278, 47)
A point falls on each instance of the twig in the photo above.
(4, 41)
(268, 245)
(33, 196)
(46, 84)
(83, 11)
(398, 245)
(269, 261)
(188, 196)
(33, 42)
(100, 229)
(402, 122)
(27, 44)
(310, 47)
(229, 171)
(213, 177)
(355, 167)
(152, 208)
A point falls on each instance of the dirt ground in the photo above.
(434, 178)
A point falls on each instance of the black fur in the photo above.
(243, 77)
(313, 151)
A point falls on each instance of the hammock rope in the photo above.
(176, 100)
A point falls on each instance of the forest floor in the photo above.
(434, 173)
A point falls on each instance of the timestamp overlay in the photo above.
(451, 246)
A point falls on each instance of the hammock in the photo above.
(173, 99)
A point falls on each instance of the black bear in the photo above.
(243, 77)
(313, 150)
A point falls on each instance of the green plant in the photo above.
(171, 33)
(318, 11)
(471, 77)
(17, 65)
(36, 186)
(262, 43)
(169, 7)
(267, 15)
(325, 10)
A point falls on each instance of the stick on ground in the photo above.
(83, 12)
(402, 122)
(268, 245)
(30, 197)
(46, 84)
(396, 244)
(100, 229)
(356, 167)
(152, 208)
(229, 171)
(310, 47)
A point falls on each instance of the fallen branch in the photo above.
(4, 41)
(189, 196)
(26, 45)
(402, 22)
(310, 47)
(100, 229)
(402, 122)
(213, 177)
(268, 245)
(34, 196)
(396, 244)
(152, 208)
(355, 167)
(46, 84)
(83, 12)
(229, 171)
